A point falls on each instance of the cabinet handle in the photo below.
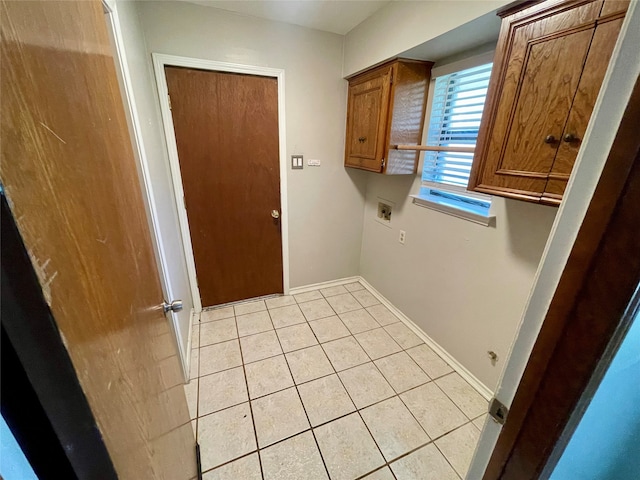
(549, 139)
(570, 137)
(362, 139)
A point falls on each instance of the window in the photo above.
(458, 101)
(456, 110)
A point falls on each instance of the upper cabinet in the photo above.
(549, 65)
(386, 106)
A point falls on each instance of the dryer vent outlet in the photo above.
(384, 212)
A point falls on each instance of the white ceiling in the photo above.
(337, 16)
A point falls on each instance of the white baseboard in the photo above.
(315, 286)
(457, 366)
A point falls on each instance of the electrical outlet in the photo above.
(403, 236)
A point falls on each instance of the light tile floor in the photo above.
(326, 384)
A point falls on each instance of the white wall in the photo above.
(464, 284)
(403, 25)
(325, 203)
(160, 206)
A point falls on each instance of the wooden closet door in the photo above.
(367, 121)
(71, 179)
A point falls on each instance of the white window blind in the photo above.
(456, 112)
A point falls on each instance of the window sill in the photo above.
(433, 202)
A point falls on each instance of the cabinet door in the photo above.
(595, 68)
(532, 95)
(366, 121)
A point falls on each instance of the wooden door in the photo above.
(595, 67)
(367, 112)
(226, 128)
(70, 176)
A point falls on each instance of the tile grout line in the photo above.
(358, 410)
(253, 420)
(360, 415)
(433, 440)
(431, 379)
(356, 406)
(324, 464)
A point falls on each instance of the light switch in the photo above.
(297, 162)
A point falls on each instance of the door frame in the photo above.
(160, 60)
(140, 153)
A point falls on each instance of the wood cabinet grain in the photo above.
(550, 63)
(386, 106)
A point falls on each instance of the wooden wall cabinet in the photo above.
(386, 106)
(550, 62)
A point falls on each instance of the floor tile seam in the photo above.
(446, 459)
(303, 406)
(334, 314)
(306, 301)
(386, 464)
(399, 457)
(222, 409)
(221, 341)
(411, 411)
(451, 399)
(312, 427)
(265, 358)
(329, 296)
(349, 311)
(360, 415)
(431, 379)
(290, 325)
(220, 371)
(403, 403)
(408, 389)
(301, 348)
(331, 362)
(431, 441)
(200, 322)
(392, 339)
(452, 430)
(253, 419)
(230, 461)
(406, 350)
(259, 449)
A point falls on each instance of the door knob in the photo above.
(549, 139)
(570, 137)
(275, 213)
(174, 306)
